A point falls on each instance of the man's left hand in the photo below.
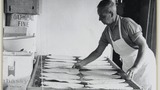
(131, 72)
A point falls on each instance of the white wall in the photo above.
(68, 27)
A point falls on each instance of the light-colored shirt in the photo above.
(130, 32)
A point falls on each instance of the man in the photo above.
(127, 40)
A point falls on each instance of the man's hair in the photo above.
(105, 3)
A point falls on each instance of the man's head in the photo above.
(107, 11)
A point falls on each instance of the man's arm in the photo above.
(94, 55)
(141, 42)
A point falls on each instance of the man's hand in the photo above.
(77, 66)
(131, 72)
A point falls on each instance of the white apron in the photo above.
(146, 76)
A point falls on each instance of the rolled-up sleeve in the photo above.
(134, 30)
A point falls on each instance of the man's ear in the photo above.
(111, 14)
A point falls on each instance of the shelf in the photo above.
(20, 53)
(18, 37)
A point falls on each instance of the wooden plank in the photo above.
(33, 75)
(122, 73)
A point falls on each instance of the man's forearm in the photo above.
(139, 60)
(141, 42)
(94, 55)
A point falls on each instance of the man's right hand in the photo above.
(77, 65)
